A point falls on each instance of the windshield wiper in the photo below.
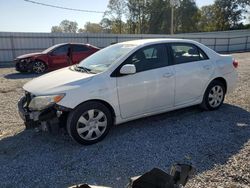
(80, 68)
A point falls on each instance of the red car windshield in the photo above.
(51, 48)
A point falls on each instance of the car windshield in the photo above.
(51, 48)
(103, 59)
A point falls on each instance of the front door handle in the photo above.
(168, 75)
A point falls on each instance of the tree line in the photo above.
(154, 17)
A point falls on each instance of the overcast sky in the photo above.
(22, 16)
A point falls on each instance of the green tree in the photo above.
(92, 27)
(66, 26)
(81, 30)
(187, 17)
(106, 25)
(69, 26)
(207, 19)
(115, 12)
(223, 15)
(228, 14)
(154, 16)
(56, 29)
(137, 16)
(159, 16)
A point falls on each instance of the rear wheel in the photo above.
(89, 123)
(214, 96)
(39, 67)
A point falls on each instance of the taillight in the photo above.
(235, 64)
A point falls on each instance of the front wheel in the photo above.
(89, 123)
(38, 67)
(214, 96)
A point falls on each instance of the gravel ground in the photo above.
(217, 143)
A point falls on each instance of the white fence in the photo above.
(14, 44)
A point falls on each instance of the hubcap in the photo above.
(92, 124)
(215, 96)
(38, 67)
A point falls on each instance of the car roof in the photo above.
(146, 42)
(72, 43)
(77, 43)
(155, 41)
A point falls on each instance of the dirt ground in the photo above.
(216, 143)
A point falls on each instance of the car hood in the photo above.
(56, 82)
(29, 55)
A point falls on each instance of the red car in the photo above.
(55, 57)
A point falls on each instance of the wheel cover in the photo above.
(92, 124)
(38, 67)
(215, 96)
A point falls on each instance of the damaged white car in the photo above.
(127, 81)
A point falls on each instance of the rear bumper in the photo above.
(231, 79)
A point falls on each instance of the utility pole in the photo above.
(173, 3)
(172, 20)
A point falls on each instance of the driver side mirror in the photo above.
(128, 69)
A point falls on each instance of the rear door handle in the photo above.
(168, 75)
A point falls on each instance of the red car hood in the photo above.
(29, 55)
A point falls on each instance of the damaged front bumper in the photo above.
(43, 119)
(23, 65)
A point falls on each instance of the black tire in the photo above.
(83, 111)
(39, 67)
(207, 103)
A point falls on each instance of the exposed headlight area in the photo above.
(42, 111)
(42, 102)
(26, 60)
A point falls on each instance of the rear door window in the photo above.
(185, 53)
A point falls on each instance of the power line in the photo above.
(65, 8)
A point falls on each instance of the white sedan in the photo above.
(127, 81)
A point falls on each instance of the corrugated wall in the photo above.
(15, 44)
